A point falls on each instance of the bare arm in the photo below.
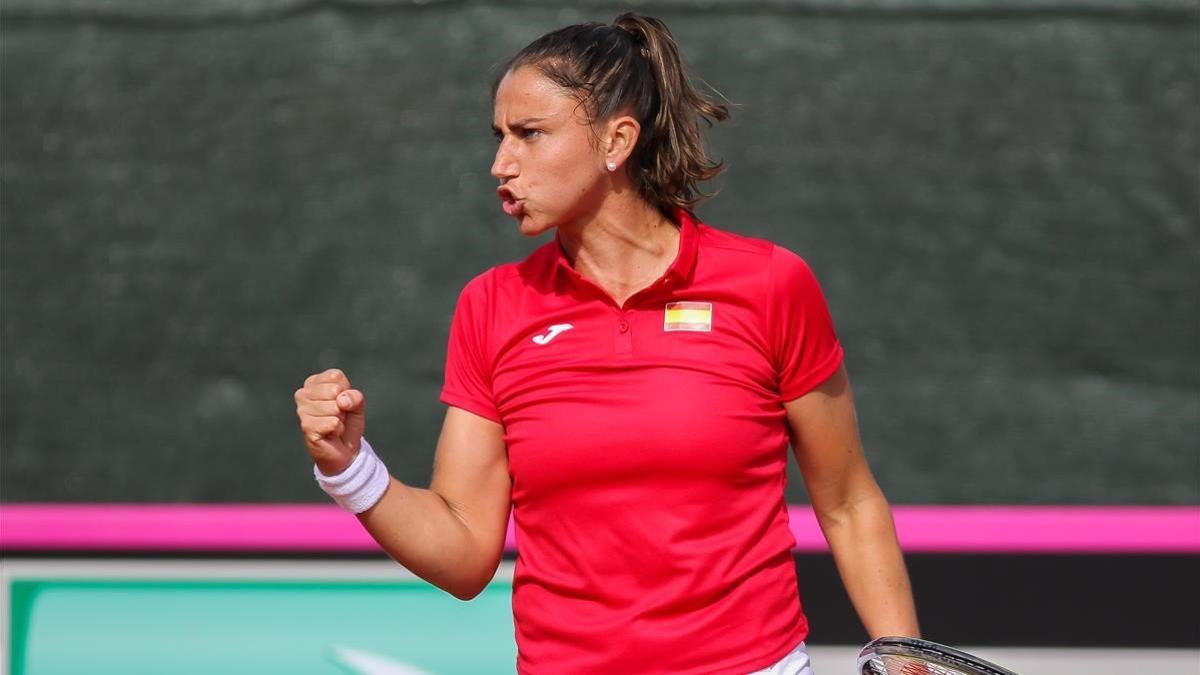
(452, 534)
(851, 509)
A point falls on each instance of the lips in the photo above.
(513, 206)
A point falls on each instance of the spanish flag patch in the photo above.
(693, 316)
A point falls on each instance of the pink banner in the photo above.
(319, 528)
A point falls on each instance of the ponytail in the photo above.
(635, 64)
(671, 159)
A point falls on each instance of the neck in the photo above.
(624, 247)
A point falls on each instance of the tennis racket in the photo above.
(910, 656)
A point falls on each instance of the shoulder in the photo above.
(507, 282)
(513, 274)
(789, 268)
(732, 243)
(781, 264)
(479, 289)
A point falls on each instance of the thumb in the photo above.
(353, 405)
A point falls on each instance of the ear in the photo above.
(620, 139)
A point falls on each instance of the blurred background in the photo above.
(203, 202)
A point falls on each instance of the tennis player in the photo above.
(629, 390)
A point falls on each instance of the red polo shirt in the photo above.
(647, 446)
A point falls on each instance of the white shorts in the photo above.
(794, 662)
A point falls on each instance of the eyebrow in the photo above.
(520, 124)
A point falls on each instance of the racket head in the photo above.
(912, 656)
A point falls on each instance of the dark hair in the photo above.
(635, 64)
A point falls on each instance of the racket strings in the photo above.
(906, 665)
(913, 665)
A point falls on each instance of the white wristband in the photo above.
(361, 485)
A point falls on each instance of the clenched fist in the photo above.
(332, 418)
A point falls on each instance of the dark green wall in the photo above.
(204, 202)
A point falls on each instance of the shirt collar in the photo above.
(680, 271)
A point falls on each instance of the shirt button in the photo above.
(623, 326)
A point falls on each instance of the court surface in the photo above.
(368, 617)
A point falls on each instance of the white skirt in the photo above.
(794, 662)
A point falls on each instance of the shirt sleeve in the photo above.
(804, 344)
(468, 381)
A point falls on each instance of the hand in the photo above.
(332, 418)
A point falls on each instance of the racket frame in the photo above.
(927, 651)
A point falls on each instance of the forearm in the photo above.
(420, 530)
(862, 537)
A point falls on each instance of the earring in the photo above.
(612, 166)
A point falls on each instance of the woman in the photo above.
(629, 389)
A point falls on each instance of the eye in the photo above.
(530, 133)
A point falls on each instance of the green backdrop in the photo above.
(203, 202)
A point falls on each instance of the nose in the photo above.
(504, 166)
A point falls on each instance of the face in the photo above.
(550, 167)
